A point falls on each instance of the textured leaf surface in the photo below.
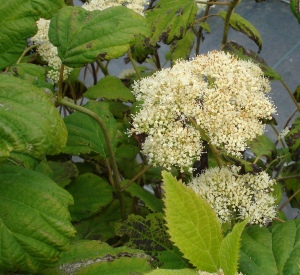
(271, 252)
(93, 257)
(85, 135)
(111, 88)
(150, 200)
(170, 19)
(34, 220)
(240, 24)
(47, 8)
(81, 36)
(30, 123)
(262, 146)
(17, 24)
(230, 249)
(193, 225)
(238, 50)
(90, 193)
(149, 234)
(173, 271)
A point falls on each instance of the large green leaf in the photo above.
(274, 251)
(17, 24)
(111, 88)
(238, 50)
(193, 225)
(34, 220)
(262, 146)
(184, 271)
(81, 36)
(149, 234)
(170, 19)
(85, 135)
(230, 249)
(90, 193)
(240, 24)
(93, 257)
(30, 123)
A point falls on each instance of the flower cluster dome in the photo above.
(216, 94)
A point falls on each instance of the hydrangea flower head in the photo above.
(224, 95)
(235, 196)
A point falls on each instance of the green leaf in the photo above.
(292, 139)
(193, 225)
(149, 234)
(262, 146)
(81, 36)
(205, 26)
(93, 257)
(90, 193)
(294, 5)
(30, 123)
(17, 24)
(111, 88)
(230, 249)
(24, 69)
(150, 200)
(184, 271)
(240, 24)
(274, 251)
(170, 19)
(181, 49)
(85, 135)
(238, 50)
(34, 220)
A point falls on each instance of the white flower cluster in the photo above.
(225, 96)
(48, 52)
(136, 5)
(235, 196)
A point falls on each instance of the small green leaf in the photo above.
(170, 19)
(230, 249)
(24, 69)
(238, 50)
(274, 251)
(240, 24)
(181, 49)
(149, 234)
(193, 225)
(292, 139)
(91, 193)
(150, 200)
(93, 257)
(205, 26)
(262, 146)
(30, 123)
(81, 36)
(34, 220)
(111, 88)
(85, 135)
(294, 5)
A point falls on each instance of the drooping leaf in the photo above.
(150, 200)
(193, 225)
(230, 249)
(85, 135)
(34, 220)
(30, 123)
(238, 23)
(274, 251)
(262, 146)
(238, 50)
(170, 19)
(149, 234)
(81, 36)
(294, 5)
(93, 257)
(111, 88)
(181, 49)
(90, 193)
(205, 26)
(17, 24)
(292, 139)
(292, 184)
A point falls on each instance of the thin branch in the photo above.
(288, 200)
